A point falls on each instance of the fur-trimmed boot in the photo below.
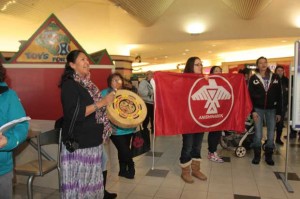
(268, 156)
(186, 172)
(196, 169)
(107, 195)
(257, 154)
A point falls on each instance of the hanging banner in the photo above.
(193, 103)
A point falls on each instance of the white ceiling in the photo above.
(99, 24)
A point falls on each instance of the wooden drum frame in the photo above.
(128, 110)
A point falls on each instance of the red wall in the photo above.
(38, 89)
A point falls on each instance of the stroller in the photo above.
(240, 143)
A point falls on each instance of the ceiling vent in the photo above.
(145, 11)
(247, 9)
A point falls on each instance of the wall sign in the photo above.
(51, 43)
(296, 89)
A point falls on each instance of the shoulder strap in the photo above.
(70, 133)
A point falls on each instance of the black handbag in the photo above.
(140, 143)
(71, 143)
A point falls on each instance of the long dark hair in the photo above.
(268, 71)
(277, 67)
(189, 66)
(69, 71)
(2, 73)
(111, 76)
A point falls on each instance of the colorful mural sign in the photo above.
(50, 44)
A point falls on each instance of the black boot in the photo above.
(268, 156)
(131, 169)
(107, 195)
(257, 152)
(123, 170)
(278, 138)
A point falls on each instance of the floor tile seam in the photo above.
(275, 189)
(131, 192)
(257, 187)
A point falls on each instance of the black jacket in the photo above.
(285, 91)
(87, 132)
(270, 99)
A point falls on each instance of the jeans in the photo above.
(6, 186)
(270, 116)
(213, 140)
(191, 147)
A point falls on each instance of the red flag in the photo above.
(193, 103)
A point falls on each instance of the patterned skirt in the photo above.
(81, 173)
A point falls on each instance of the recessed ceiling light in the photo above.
(187, 50)
(297, 22)
(214, 45)
(195, 28)
(283, 41)
(166, 56)
(183, 53)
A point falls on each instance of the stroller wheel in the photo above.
(240, 151)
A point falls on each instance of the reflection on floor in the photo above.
(236, 178)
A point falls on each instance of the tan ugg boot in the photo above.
(186, 172)
(196, 170)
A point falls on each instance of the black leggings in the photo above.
(213, 140)
(149, 117)
(122, 143)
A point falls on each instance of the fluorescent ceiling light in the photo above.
(162, 67)
(273, 52)
(158, 67)
(136, 64)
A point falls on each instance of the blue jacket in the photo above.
(116, 129)
(11, 109)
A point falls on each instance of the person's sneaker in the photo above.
(214, 157)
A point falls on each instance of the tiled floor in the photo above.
(236, 178)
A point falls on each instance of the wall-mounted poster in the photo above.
(296, 89)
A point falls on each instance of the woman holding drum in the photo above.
(123, 126)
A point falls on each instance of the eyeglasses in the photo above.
(117, 81)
